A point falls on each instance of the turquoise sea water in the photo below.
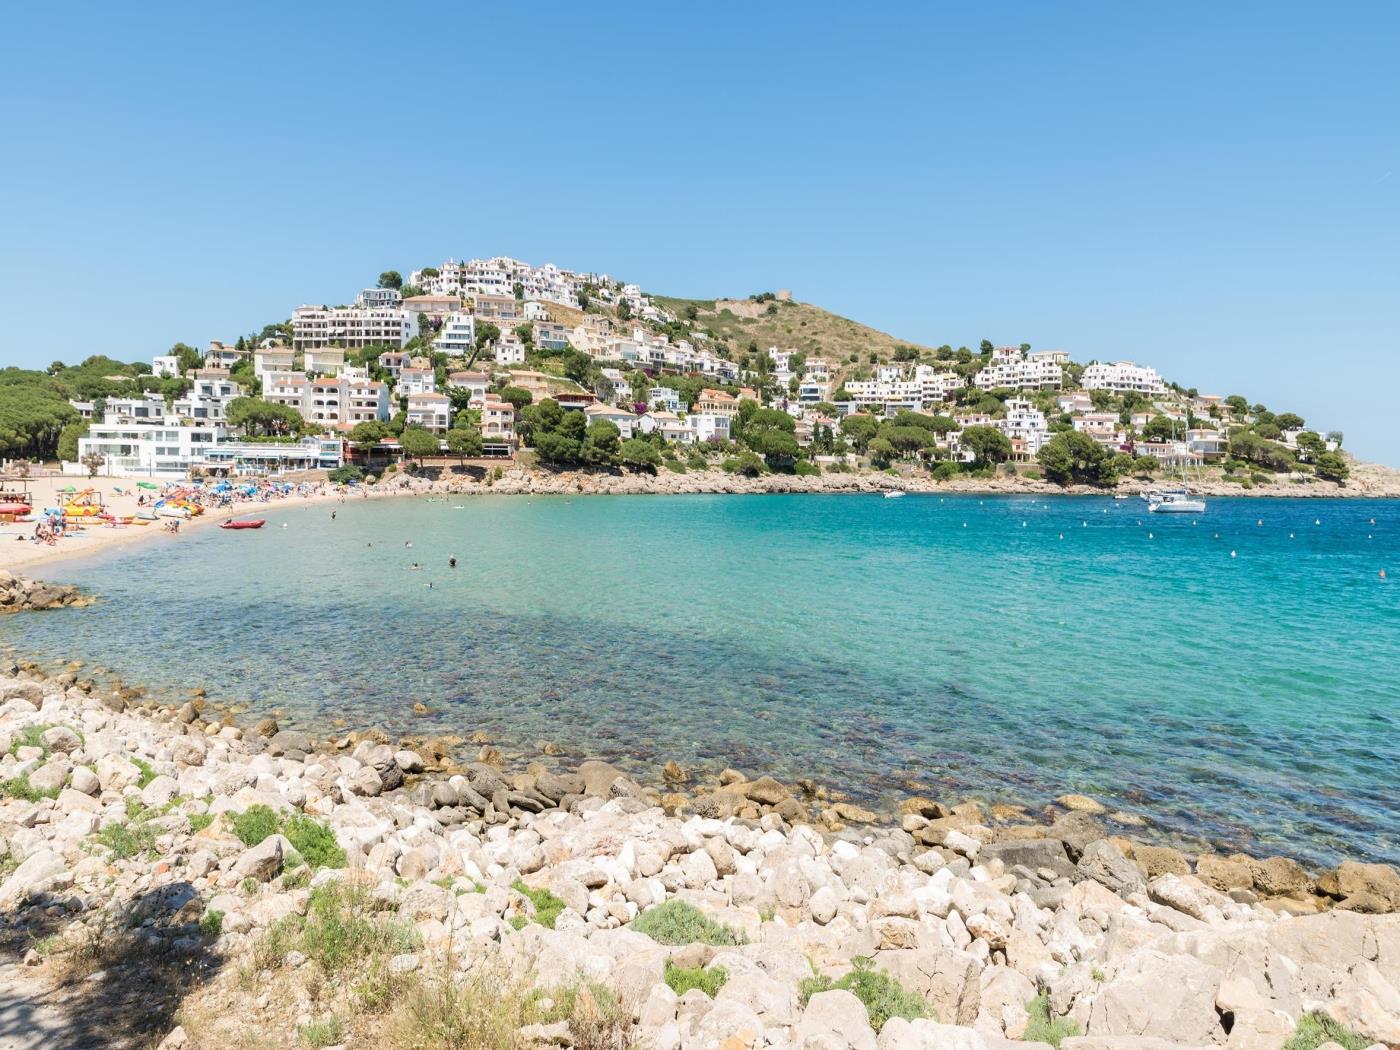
(1007, 647)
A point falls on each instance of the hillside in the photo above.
(786, 324)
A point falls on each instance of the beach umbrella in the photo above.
(68, 488)
(147, 485)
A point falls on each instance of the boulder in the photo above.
(261, 862)
(835, 1020)
(1224, 874)
(598, 777)
(946, 977)
(1082, 804)
(1076, 830)
(1030, 853)
(187, 751)
(765, 791)
(84, 781)
(1103, 862)
(1161, 860)
(289, 742)
(1155, 994)
(61, 739)
(38, 873)
(115, 773)
(1280, 877)
(1188, 895)
(159, 791)
(1368, 887)
(51, 776)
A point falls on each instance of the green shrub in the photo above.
(19, 787)
(1316, 1028)
(883, 996)
(806, 469)
(200, 821)
(345, 474)
(547, 905)
(675, 465)
(677, 922)
(314, 841)
(212, 923)
(339, 930)
(1046, 1029)
(147, 773)
(31, 736)
(325, 1032)
(682, 978)
(254, 824)
(945, 471)
(128, 838)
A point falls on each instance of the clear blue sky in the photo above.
(1210, 188)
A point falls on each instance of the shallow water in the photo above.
(1006, 647)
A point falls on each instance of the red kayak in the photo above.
(255, 523)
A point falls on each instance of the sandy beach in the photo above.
(81, 540)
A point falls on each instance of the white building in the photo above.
(497, 424)
(1025, 425)
(708, 426)
(625, 421)
(1014, 369)
(667, 424)
(458, 335)
(1121, 377)
(668, 398)
(159, 450)
(430, 411)
(272, 359)
(416, 381)
(376, 318)
(327, 360)
(476, 383)
(165, 365)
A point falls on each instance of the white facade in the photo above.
(1121, 377)
(625, 421)
(1023, 373)
(666, 397)
(1025, 423)
(458, 335)
(416, 381)
(430, 411)
(166, 365)
(351, 327)
(708, 426)
(167, 450)
(477, 383)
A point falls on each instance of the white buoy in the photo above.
(1317, 521)
(1062, 535)
(1232, 554)
(1150, 536)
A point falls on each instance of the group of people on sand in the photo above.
(47, 530)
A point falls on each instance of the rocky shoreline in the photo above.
(20, 594)
(173, 831)
(1373, 482)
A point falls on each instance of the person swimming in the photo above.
(452, 561)
(415, 565)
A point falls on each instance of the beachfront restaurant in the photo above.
(271, 458)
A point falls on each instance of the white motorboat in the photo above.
(894, 494)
